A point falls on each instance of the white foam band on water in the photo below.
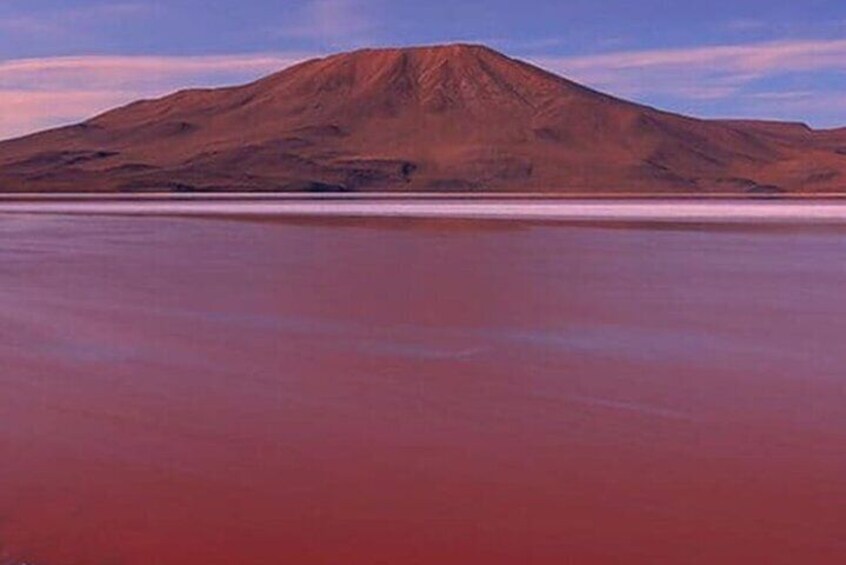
(578, 210)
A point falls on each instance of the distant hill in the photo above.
(448, 118)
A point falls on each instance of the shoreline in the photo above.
(361, 208)
(399, 196)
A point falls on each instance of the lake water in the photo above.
(187, 391)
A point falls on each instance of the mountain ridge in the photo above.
(459, 117)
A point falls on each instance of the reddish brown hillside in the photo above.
(457, 117)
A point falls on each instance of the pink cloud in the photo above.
(107, 71)
(24, 112)
(784, 56)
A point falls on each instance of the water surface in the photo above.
(200, 391)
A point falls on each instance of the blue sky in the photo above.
(61, 61)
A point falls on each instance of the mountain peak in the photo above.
(459, 53)
(442, 49)
(433, 80)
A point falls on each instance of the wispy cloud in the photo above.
(746, 25)
(764, 28)
(717, 71)
(138, 72)
(71, 20)
(40, 93)
(332, 22)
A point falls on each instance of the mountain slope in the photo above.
(456, 117)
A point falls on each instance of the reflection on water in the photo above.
(184, 391)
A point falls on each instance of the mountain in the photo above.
(447, 118)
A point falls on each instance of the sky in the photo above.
(64, 60)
